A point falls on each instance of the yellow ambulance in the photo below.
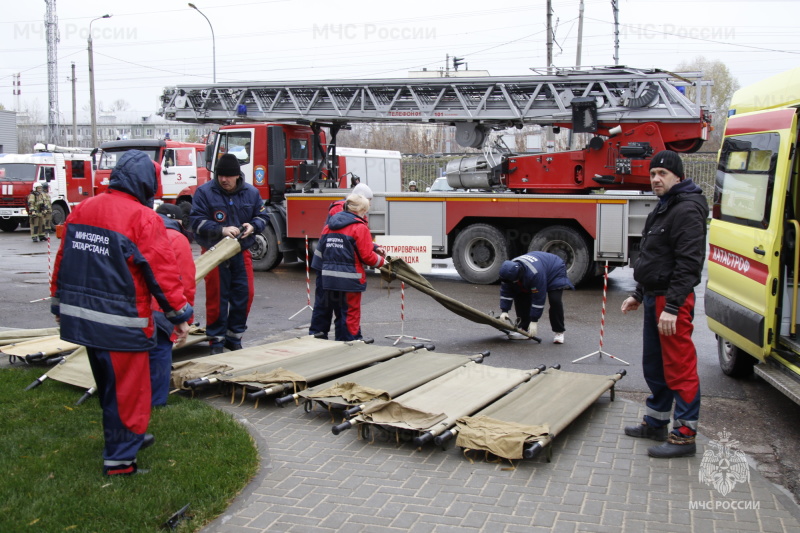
(751, 297)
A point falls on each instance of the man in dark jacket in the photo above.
(220, 208)
(668, 268)
(528, 282)
(114, 258)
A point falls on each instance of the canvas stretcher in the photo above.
(523, 423)
(385, 380)
(299, 372)
(396, 268)
(434, 407)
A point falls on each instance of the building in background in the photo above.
(8, 132)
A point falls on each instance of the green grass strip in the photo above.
(51, 462)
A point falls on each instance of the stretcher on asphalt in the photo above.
(435, 406)
(74, 368)
(383, 381)
(299, 372)
(396, 268)
(523, 423)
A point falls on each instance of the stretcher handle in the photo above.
(34, 357)
(86, 396)
(481, 356)
(257, 394)
(531, 450)
(194, 383)
(445, 436)
(353, 410)
(419, 440)
(283, 400)
(341, 427)
(37, 382)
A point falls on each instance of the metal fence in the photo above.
(701, 167)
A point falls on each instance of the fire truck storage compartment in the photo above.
(618, 224)
(411, 218)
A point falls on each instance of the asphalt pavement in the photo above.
(598, 479)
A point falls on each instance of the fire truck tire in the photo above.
(8, 224)
(569, 245)
(266, 255)
(478, 252)
(733, 361)
(59, 215)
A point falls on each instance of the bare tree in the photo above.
(722, 91)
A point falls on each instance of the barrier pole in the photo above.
(308, 286)
(403, 319)
(600, 351)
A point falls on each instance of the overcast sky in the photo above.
(148, 45)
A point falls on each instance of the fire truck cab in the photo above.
(751, 296)
(182, 165)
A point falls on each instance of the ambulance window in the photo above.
(746, 178)
(299, 148)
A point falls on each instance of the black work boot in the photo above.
(677, 445)
(232, 346)
(216, 349)
(645, 431)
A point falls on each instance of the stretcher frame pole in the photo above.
(308, 287)
(403, 319)
(600, 351)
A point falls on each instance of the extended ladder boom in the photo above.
(621, 94)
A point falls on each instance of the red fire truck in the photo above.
(67, 171)
(182, 165)
(565, 203)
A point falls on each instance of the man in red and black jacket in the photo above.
(114, 258)
(344, 248)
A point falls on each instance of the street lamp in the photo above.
(213, 41)
(91, 83)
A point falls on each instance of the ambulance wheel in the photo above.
(479, 252)
(569, 245)
(265, 250)
(8, 224)
(733, 361)
(59, 215)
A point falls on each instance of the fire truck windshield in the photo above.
(17, 172)
(108, 159)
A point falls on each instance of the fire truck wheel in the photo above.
(733, 361)
(265, 251)
(8, 224)
(569, 245)
(59, 215)
(478, 252)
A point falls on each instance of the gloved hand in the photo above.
(504, 317)
(533, 328)
(33, 213)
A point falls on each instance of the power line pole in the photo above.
(615, 7)
(51, 24)
(74, 109)
(580, 35)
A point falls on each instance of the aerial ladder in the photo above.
(631, 113)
